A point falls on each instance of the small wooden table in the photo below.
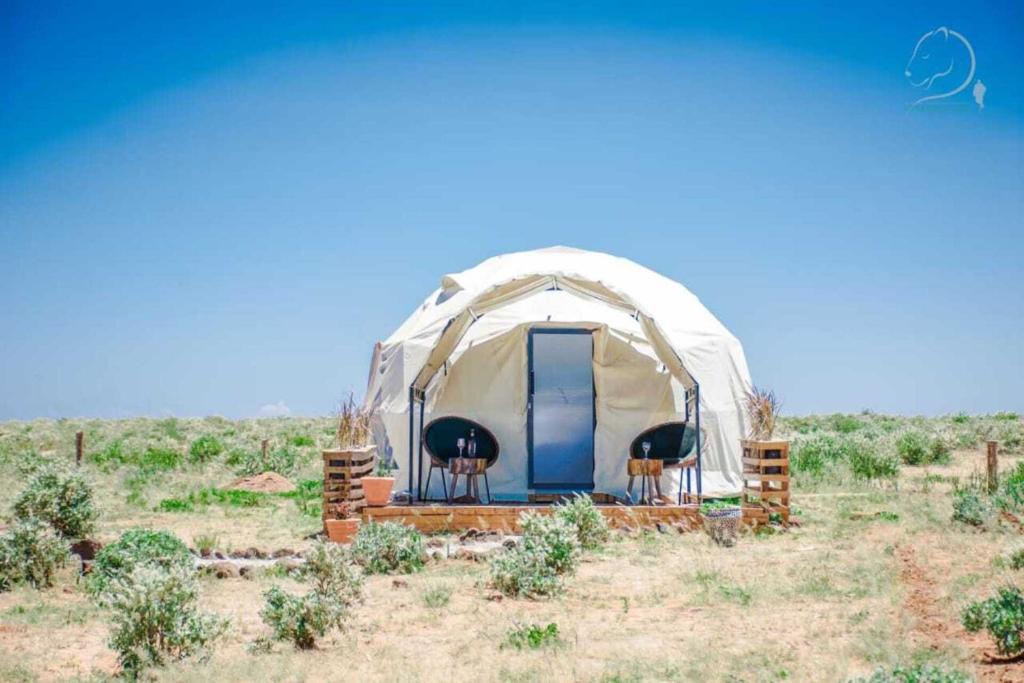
(647, 470)
(471, 468)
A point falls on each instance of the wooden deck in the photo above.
(431, 518)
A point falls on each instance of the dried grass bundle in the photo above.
(763, 410)
(353, 425)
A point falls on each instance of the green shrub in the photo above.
(113, 454)
(205, 448)
(329, 568)
(1002, 616)
(157, 459)
(176, 505)
(970, 507)
(533, 637)
(213, 496)
(549, 549)
(556, 538)
(171, 428)
(280, 460)
(63, 499)
(961, 418)
(914, 448)
(1015, 557)
(301, 440)
(303, 619)
(581, 514)
(520, 572)
(388, 547)
(817, 455)
(867, 463)
(807, 457)
(844, 424)
(939, 452)
(155, 617)
(438, 596)
(137, 548)
(1011, 489)
(920, 673)
(30, 552)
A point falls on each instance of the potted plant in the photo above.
(344, 529)
(722, 520)
(377, 489)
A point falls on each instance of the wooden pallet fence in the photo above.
(765, 480)
(343, 469)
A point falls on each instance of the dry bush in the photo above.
(763, 410)
(353, 425)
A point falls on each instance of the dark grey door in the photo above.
(560, 414)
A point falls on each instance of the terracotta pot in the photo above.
(342, 530)
(377, 490)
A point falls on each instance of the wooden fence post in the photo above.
(263, 448)
(993, 466)
(79, 448)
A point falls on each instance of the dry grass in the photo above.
(874, 576)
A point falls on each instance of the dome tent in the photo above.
(655, 355)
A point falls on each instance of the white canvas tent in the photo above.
(658, 353)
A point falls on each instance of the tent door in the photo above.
(560, 409)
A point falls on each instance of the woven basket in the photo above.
(723, 525)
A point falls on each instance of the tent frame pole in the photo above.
(419, 457)
(696, 411)
(412, 417)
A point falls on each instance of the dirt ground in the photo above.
(874, 576)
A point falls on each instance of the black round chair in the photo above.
(440, 438)
(671, 442)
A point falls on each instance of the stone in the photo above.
(495, 597)
(283, 552)
(435, 542)
(510, 542)
(465, 554)
(224, 570)
(246, 571)
(218, 555)
(468, 534)
(399, 583)
(289, 564)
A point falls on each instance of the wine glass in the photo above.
(461, 444)
(646, 445)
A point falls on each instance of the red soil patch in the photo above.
(268, 482)
(933, 628)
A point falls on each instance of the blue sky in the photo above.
(208, 211)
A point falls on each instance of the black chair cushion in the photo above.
(441, 435)
(670, 442)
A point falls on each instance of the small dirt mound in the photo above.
(268, 482)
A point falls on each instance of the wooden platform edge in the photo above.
(505, 518)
